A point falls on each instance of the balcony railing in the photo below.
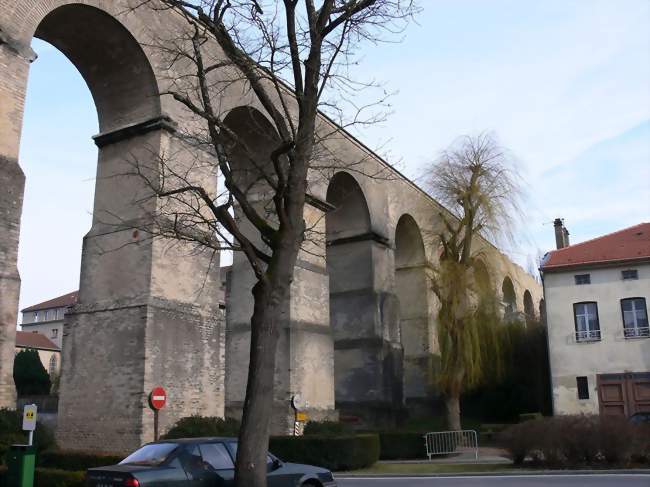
(638, 332)
(588, 336)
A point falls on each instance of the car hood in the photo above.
(301, 468)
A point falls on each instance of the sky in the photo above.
(565, 85)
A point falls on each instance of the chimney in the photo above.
(561, 234)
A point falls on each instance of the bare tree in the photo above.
(477, 181)
(250, 47)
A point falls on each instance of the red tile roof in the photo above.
(65, 300)
(629, 244)
(25, 339)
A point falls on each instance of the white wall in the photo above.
(613, 354)
(45, 329)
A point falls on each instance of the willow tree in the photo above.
(476, 180)
(292, 60)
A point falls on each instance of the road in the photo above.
(578, 480)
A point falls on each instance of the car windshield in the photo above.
(153, 454)
(233, 451)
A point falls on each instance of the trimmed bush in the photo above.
(576, 440)
(348, 452)
(71, 461)
(332, 428)
(518, 441)
(52, 478)
(616, 439)
(199, 426)
(396, 445)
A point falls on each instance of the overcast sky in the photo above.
(564, 84)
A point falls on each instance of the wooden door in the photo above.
(624, 394)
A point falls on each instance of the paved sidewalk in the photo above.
(486, 456)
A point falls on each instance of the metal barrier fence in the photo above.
(445, 442)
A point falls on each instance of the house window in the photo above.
(586, 321)
(583, 387)
(582, 279)
(635, 318)
(630, 274)
(35, 316)
(47, 316)
(54, 333)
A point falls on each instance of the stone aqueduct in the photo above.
(360, 333)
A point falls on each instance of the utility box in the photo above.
(21, 463)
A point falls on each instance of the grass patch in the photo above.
(430, 468)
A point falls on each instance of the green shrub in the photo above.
(576, 440)
(328, 428)
(200, 426)
(615, 435)
(395, 445)
(348, 452)
(518, 441)
(30, 376)
(71, 461)
(52, 478)
(11, 432)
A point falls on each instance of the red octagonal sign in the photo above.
(157, 398)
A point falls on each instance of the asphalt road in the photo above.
(596, 480)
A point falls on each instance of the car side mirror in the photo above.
(276, 464)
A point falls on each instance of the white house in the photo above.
(597, 294)
(46, 318)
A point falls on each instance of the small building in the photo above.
(596, 296)
(46, 318)
(48, 351)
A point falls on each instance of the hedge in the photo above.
(75, 461)
(52, 478)
(397, 445)
(346, 452)
(200, 426)
(577, 440)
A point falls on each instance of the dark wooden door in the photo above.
(624, 394)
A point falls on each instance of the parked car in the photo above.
(640, 418)
(198, 462)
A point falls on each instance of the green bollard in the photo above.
(21, 463)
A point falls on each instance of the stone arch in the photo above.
(351, 216)
(409, 246)
(257, 139)
(412, 292)
(111, 61)
(124, 88)
(482, 277)
(509, 298)
(364, 312)
(529, 306)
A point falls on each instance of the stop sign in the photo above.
(157, 398)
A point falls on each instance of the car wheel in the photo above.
(311, 483)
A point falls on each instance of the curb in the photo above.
(504, 473)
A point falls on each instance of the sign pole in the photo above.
(155, 425)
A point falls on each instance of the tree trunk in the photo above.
(452, 402)
(251, 468)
